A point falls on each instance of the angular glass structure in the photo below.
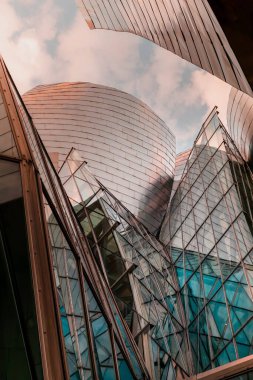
(208, 231)
(60, 320)
(137, 268)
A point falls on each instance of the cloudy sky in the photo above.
(48, 41)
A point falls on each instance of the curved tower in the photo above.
(240, 123)
(127, 146)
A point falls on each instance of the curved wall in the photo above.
(240, 123)
(127, 146)
(187, 28)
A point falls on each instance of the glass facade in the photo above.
(137, 267)
(208, 230)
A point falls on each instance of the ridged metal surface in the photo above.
(240, 123)
(127, 146)
(187, 28)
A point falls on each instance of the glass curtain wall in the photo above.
(208, 231)
(136, 267)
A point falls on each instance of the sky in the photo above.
(48, 41)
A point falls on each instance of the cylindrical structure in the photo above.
(127, 146)
(240, 123)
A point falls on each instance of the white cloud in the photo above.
(172, 87)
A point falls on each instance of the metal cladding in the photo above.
(186, 28)
(127, 146)
(240, 123)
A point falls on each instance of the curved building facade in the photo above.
(127, 146)
(240, 123)
(186, 28)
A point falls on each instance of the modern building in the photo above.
(59, 317)
(208, 231)
(186, 299)
(127, 146)
(89, 292)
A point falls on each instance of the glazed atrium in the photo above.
(129, 261)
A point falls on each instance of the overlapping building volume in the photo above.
(119, 259)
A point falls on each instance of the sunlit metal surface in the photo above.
(240, 123)
(127, 146)
(186, 28)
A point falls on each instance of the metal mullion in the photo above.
(121, 340)
(91, 348)
(238, 246)
(35, 226)
(231, 340)
(110, 230)
(158, 301)
(201, 274)
(127, 271)
(94, 235)
(214, 294)
(218, 259)
(202, 170)
(199, 228)
(72, 310)
(105, 306)
(52, 275)
(144, 257)
(200, 268)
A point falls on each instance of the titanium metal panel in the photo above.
(240, 123)
(186, 28)
(127, 146)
